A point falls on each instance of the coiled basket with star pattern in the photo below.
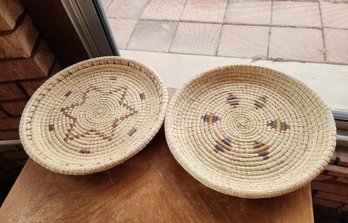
(93, 115)
(249, 131)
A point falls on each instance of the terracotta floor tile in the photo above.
(152, 35)
(303, 14)
(122, 30)
(196, 38)
(126, 9)
(298, 44)
(255, 12)
(204, 11)
(335, 15)
(164, 10)
(244, 34)
(244, 41)
(334, 1)
(295, 0)
(336, 42)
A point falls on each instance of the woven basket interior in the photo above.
(93, 115)
(249, 131)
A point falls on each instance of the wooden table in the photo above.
(150, 187)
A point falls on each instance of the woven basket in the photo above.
(93, 115)
(249, 131)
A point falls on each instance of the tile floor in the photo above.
(300, 30)
(329, 81)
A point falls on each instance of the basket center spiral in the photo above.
(240, 122)
(243, 123)
(97, 113)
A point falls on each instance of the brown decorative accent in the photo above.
(50, 127)
(142, 96)
(67, 111)
(263, 98)
(115, 123)
(205, 118)
(278, 125)
(226, 141)
(260, 146)
(216, 118)
(232, 100)
(210, 118)
(218, 148)
(263, 153)
(231, 97)
(224, 144)
(68, 93)
(260, 102)
(131, 132)
(85, 150)
(262, 149)
(258, 105)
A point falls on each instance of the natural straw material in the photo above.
(93, 115)
(249, 131)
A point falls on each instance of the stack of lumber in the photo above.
(330, 188)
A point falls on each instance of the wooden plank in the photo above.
(342, 180)
(326, 203)
(336, 174)
(342, 141)
(150, 187)
(341, 124)
(343, 132)
(342, 157)
(337, 169)
(332, 197)
(10, 142)
(331, 187)
(323, 177)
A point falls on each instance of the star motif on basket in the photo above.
(225, 144)
(71, 134)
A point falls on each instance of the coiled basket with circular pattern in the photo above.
(93, 115)
(249, 131)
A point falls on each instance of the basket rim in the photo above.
(242, 192)
(103, 166)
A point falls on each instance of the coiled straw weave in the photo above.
(249, 131)
(93, 115)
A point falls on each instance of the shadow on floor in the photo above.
(328, 215)
(5, 188)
